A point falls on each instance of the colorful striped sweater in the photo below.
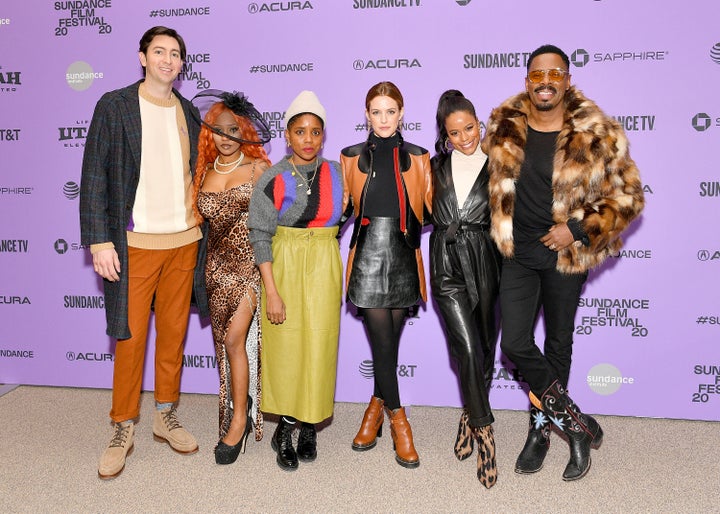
(280, 198)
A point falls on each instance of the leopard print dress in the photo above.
(232, 278)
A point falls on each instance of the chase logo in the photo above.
(701, 122)
(61, 246)
(580, 57)
(715, 53)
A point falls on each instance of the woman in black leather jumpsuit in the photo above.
(465, 271)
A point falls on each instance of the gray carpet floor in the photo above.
(51, 439)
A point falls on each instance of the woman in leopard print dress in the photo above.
(228, 168)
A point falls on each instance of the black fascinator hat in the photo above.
(237, 103)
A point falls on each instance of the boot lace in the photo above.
(170, 419)
(120, 436)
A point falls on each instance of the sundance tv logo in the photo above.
(80, 75)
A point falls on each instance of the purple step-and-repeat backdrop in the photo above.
(646, 341)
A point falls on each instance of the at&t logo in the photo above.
(403, 370)
(71, 190)
(715, 53)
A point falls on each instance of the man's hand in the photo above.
(558, 237)
(107, 264)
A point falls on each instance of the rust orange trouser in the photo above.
(168, 276)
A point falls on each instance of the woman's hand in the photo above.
(275, 308)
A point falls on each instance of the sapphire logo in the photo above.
(71, 190)
(715, 53)
(701, 122)
(580, 57)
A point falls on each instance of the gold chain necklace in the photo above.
(308, 185)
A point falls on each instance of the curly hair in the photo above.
(207, 151)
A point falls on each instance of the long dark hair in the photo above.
(450, 101)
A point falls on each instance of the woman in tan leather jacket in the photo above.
(388, 182)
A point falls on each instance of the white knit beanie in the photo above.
(306, 101)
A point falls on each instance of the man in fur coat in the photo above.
(563, 187)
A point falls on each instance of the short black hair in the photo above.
(548, 49)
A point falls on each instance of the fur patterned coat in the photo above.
(594, 178)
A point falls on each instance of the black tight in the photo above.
(384, 327)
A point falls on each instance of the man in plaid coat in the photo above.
(136, 216)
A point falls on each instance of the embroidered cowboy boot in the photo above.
(537, 444)
(582, 430)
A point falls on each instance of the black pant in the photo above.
(522, 292)
(472, 337)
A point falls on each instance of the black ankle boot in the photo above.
(307, 443)
(537, 444)
(282, 443)
(582, 430)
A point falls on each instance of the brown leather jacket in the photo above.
(416, 174)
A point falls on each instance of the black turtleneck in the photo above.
(382, 197)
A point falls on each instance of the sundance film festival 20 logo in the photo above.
(79, 14)
(190, 73)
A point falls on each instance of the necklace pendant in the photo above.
(308, 192)
(373, 174)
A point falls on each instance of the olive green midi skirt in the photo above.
(299, 356)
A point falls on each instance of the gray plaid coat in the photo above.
(110, 174)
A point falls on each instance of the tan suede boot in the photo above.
(166, 428)
(112, 461)
(405, 453)
(371, 426)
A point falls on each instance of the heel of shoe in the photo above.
(246, 433)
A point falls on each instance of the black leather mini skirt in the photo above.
(384, 272)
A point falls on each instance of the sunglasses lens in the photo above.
(536, 76)
(556, 75)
